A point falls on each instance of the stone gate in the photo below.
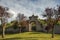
(37, 23)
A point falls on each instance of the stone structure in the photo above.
(57, 29)
(37, 23)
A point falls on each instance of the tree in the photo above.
(21, 20)
(52, 18)
(4, 15)
(24, 24)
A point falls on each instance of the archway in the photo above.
(33, 25)
(34, 19)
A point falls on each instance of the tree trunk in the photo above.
(53, 32)
(3, 32)
(3, 28)
(20, 29)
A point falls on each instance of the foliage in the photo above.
(15, 25)
(33, 24)
(43, 22)
(58, 23)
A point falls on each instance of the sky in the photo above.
(29, 7)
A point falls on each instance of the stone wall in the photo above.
(57, 29)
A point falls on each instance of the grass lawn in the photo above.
(30, 36)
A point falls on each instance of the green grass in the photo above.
(30, 36)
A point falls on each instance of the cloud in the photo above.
(28, 7)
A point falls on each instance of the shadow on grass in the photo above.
(57, 33)
(12, 33)
(25, 38)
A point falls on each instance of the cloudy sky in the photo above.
(29, 7)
